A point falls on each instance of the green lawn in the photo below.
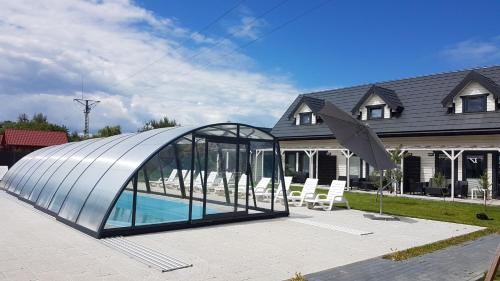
(448, 211)
(464, 213)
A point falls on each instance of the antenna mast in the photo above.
(87, 107)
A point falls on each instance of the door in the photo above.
(327, 167)
(228, 195)
(474, 165)
(411, 172)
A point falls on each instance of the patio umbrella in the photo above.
(358, 138)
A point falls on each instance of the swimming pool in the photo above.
(153, 209)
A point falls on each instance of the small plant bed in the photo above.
(429, 248)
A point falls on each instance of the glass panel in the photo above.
(260, 187)
(160, 196)
(199, 179)
(36, 167)
(220, 198)
(475, 165)
(14, 170)
(220, 130)
(279, 186)
(51, 166)
(290, 163)
(305, 118)
(243, 180)
(375, 113)
(79, 164)
(253, 133)
(474, 103)
(121, 215)
(355, 166)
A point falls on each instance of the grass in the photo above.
(429, 248)
(298, 277)
(455, 212)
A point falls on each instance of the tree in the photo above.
(164, 122)
(396, 175)
(23, 118)
(109, 131)
(38, 122)
(485, 184)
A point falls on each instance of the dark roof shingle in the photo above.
(423, 111)
(388, 96)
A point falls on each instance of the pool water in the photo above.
(153, 209)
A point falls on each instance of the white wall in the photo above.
(471, 89)
(374, 100)
(427, 162)
(303, 109)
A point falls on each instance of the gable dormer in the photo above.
(305, 112)
(475, 93)
(378, 103)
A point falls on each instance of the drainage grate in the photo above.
(145, 255)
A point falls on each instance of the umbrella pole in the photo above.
(380, 189)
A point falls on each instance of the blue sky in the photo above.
(147, 59)
(353, 42)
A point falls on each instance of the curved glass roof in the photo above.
(80, 182)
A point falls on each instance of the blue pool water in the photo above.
(153, 209)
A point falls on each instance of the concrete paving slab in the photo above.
(35, 246)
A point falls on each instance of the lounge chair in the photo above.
(308, 192)
(279, 194)
(335, 195)
(261, 190)
(242, 185)
(220, 185)
(167, 181)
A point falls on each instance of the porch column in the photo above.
(310, 154)
(348, 154)
(402, 171)
(452, 157)
(317, 162)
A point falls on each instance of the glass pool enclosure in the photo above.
(156, 180)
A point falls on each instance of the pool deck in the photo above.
(33, 246)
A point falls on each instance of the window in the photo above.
(305, 118)
(475, 165)
(476, 103)
(375, 112)
(442, 164)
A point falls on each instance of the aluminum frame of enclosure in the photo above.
(80, 183)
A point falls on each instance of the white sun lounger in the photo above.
(279, 193)
(335, 195)
(220, 185)
(261, 190)
(168, 181)
(307, 192)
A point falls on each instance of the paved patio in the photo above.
(464, 262)
(36, 247)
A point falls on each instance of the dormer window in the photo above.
(306, 110)
(305, 118)
(378, 103)
(475, 93)
(475, 103)
(375, 112)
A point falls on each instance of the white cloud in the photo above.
(47, 46)
(475, 51)
(248, 28)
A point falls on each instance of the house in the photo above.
(16, 143)
(433, 118)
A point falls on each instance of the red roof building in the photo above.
(16, 138)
